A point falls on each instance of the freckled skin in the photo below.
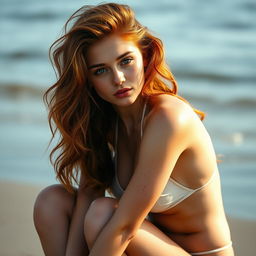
(114, 74)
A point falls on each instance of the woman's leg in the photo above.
(52, 213)
(98, 214)
(148, 241)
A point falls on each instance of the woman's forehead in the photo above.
(110, 48)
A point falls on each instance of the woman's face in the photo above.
(116, 70)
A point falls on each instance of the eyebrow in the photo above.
(102, 64)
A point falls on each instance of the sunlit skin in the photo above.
(174, 143)
(116, 63)
(185, 223)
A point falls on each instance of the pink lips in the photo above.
(122, 92)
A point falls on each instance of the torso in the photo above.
(190, 221)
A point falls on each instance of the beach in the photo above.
(19, 238)
(213, 61)
(213, 58)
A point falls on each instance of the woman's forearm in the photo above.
(112, 246)
(112, 241)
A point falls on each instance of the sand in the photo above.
(19, 238)
(17, 233)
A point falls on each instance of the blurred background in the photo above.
(210, 47)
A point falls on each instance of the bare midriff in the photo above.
(196, 233)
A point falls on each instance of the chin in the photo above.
(126, 102)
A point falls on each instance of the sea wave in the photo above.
(40, 15)
(23, 54)
(14, 90)
(242, 101)
(215, 76)
(248, 6)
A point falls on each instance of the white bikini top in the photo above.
(173, 193)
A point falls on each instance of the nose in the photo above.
(118, 77)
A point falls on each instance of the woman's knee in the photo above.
(101, 209)
(51, 202)
(98, 214)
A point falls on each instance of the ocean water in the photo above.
(210, 47)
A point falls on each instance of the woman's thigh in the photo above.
(148, 241)
(51, 204)
(52, 212)
(151, 241)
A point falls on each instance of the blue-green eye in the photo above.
(99, 71)
(126, 61)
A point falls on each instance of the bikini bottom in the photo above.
(213, 251)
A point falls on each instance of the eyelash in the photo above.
(125, 61)
(98, 71)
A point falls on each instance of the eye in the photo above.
(100, 71)
(126, 61)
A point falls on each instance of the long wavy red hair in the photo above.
(81, 118)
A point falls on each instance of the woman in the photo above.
(124, 130)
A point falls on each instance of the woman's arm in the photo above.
(166, 136)
(76, 244)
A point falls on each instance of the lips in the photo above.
(122, 91)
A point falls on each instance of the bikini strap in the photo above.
(142, 118)
(116, 138)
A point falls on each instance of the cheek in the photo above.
(101, 88)
(138, 74)
(98, 84)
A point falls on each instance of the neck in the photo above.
(131, 115)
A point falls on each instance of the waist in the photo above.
(196, 232)
(201, 241)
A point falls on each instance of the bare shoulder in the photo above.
(170, 112)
